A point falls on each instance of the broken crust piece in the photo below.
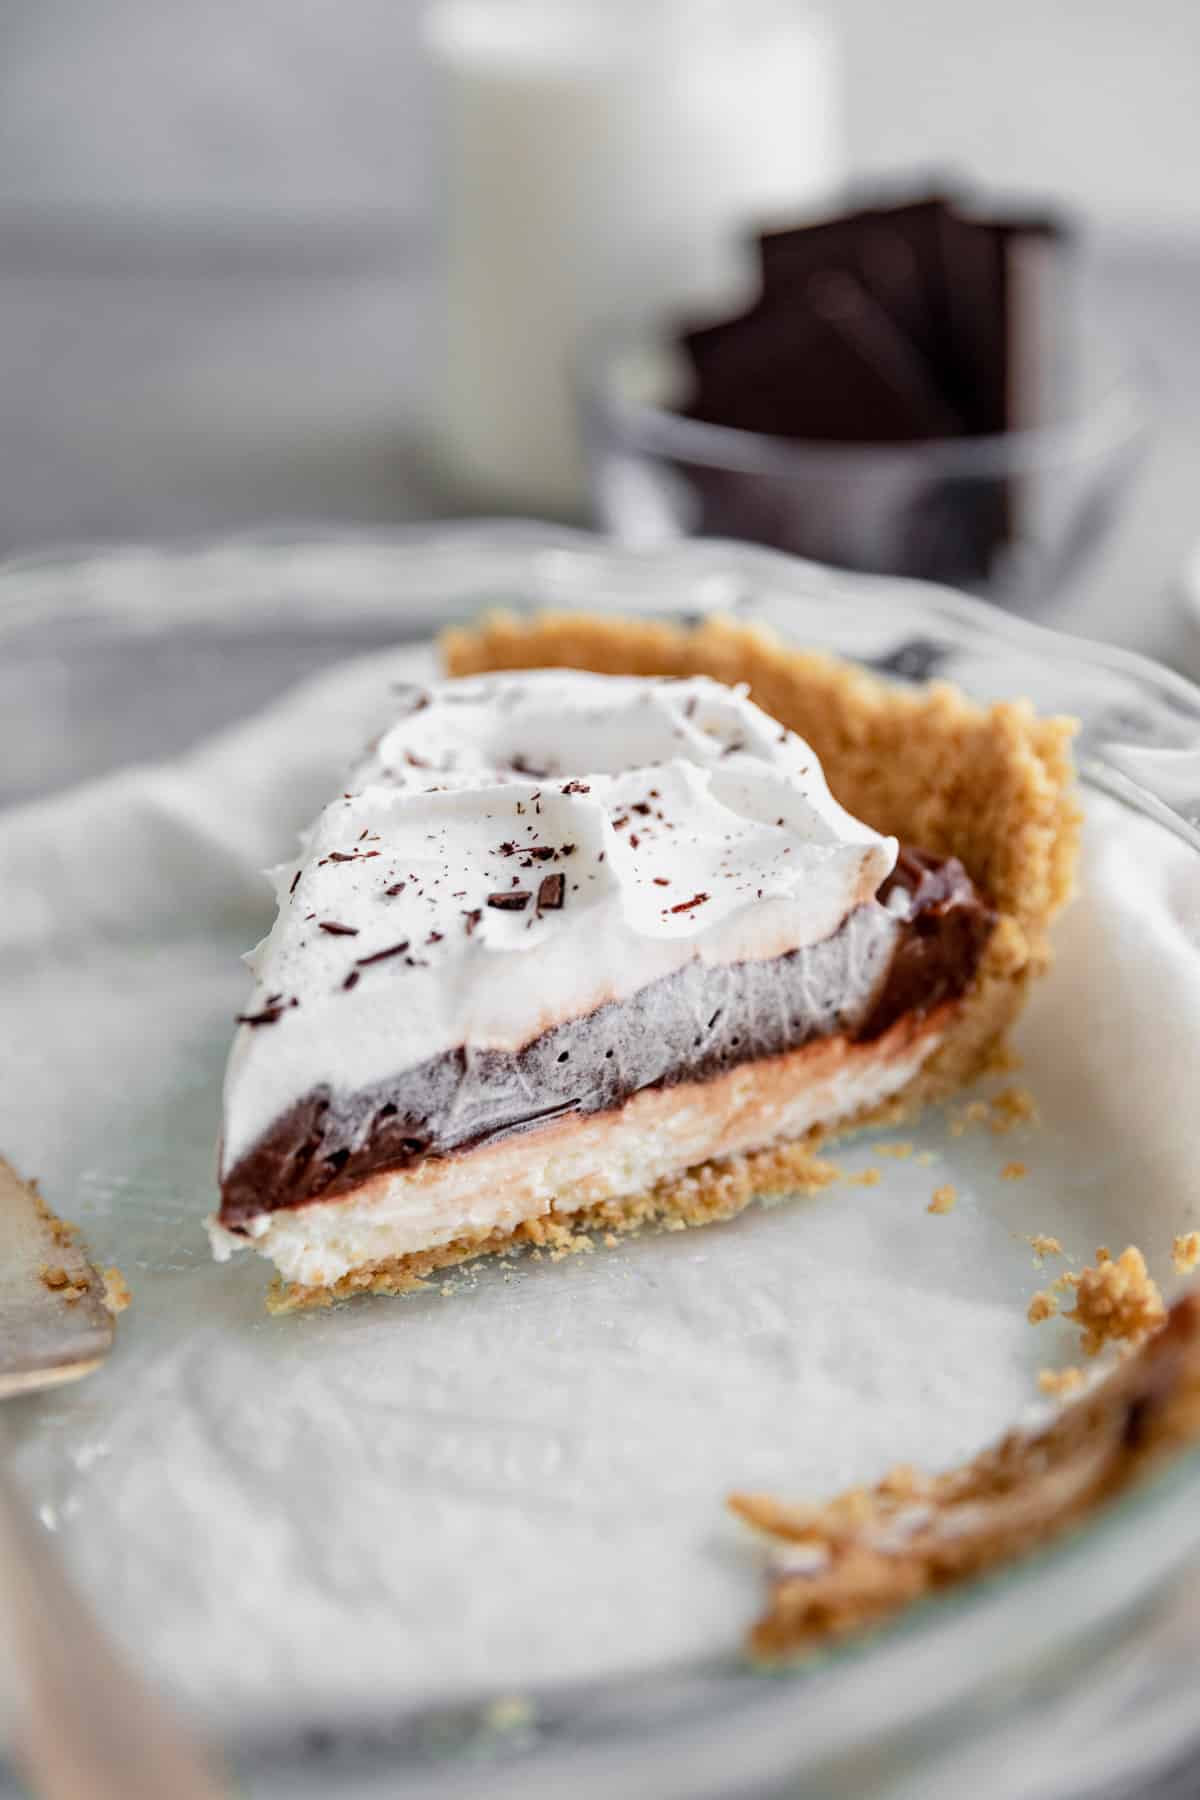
(1115, 1301)
(991, 788)
(866, 1556)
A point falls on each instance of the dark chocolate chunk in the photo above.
(513, 901)
(551, 892)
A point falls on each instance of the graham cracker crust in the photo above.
(992, 786)
(855, 1562)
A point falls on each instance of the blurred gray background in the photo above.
(217, 239)
(315, 112)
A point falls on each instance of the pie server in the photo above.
(78, 1720)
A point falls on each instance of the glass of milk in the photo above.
(605, 163)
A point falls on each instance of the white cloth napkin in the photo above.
(519, 1480)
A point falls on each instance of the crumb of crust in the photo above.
(117, 1295)
(974, 1112)
(1042, 1245)
(901, 1150)
(577, 1244)
(56, 1278)
(61, 1230)
(925, 1158)
(1013, 1171)
(865, 1178)
(1060, 1382)
(1185, 1252)
(849, 1564)
(1013, 1106)
(1116, 1301)
(1043, 1306)
(945, 1199)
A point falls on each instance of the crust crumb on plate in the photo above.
(61, 1230)
(1185, 1252)
(945, 1199)
(1013, 1106)
(853, 1562)
(1116, 1300)
(1014, 1171)
(117, 1294)
(1060, 1382)
(1043, 1306)
(56, 1278)
(1042, 1245)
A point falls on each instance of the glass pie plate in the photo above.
(505, 1507)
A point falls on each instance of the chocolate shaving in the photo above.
(295, 881)
(540, 852)
(269, 1014)
(511, 902)
(473, 918)
(577, 787)
(336, 930)
(352, 979)
(687, 905)
(363, 962)
(397, 887)
(550, 893)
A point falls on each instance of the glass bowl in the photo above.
(1009, 516)
(1078, 1666)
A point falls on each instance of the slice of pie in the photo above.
(592, 940)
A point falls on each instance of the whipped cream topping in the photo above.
(517, 850)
